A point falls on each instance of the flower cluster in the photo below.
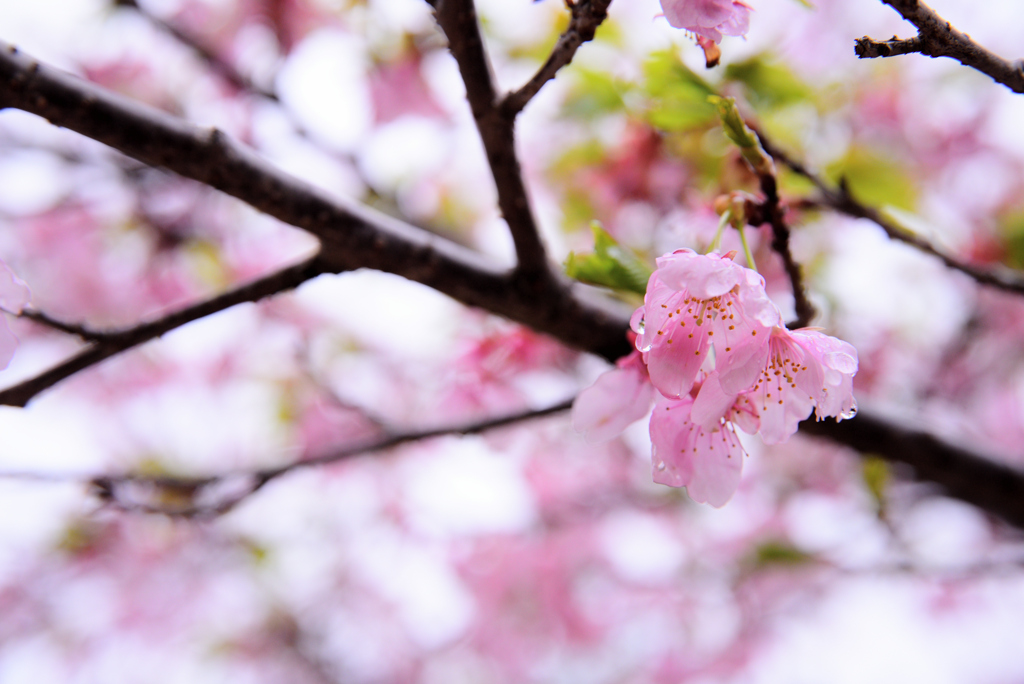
(714, 346)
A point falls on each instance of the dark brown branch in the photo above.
(937, 38)
(245, 84)
(587, 16)
(771, 212)
(866, 48)
(352, 236)
(457, 18)
(839, 199)
(75, 329)
(960, 473)
(189, 490)
(105, 344)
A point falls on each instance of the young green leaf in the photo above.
(610, 265)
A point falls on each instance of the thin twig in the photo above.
(106, 344)
(587, 16)
(866, 48)
(185, 491)
(76, 329)
(936, 37)
(771, 212)
(219, 65)
(457, 18)
(839, 199)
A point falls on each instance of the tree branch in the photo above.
(937, 38)
(352, 236)
(184, 497)
(105, 344)
(76, 329)
(962, 474)
(587, 16)
(839, 199)
(457, 18)
(770, 212)
(866, 48)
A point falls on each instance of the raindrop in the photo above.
(642, 342)
(661, 465)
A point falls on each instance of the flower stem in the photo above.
(722, 223)
(746, 250)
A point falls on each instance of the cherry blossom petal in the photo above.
(619, 397)
(707, 462)
(785, 392)
(839, 363)
(704, 276)
(744, 414)
(718, 468)
(676, 345)
(708, 18)
(712, 403)
(671, 460)
(694, 302)
(8, 343)
(14, 293)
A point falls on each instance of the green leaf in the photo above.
(779, 552)
(737, 131)
(874, 178)
(768, 84)
(594, 93)
(875, 473)
(677, 97)
(1011, 226)
(610, 265)
(733, 124)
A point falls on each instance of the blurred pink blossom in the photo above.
(709, 19)
(398, 89)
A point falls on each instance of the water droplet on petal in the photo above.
(849, 413)
(661, 465)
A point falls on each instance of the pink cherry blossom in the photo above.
(710, 19)
(707, 461)
(713, 404)
(803, 370)
(693, 299)
(619, 397)
(839, 364)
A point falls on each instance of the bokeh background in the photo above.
(521, 554)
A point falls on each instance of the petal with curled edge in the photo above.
(617, 398)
